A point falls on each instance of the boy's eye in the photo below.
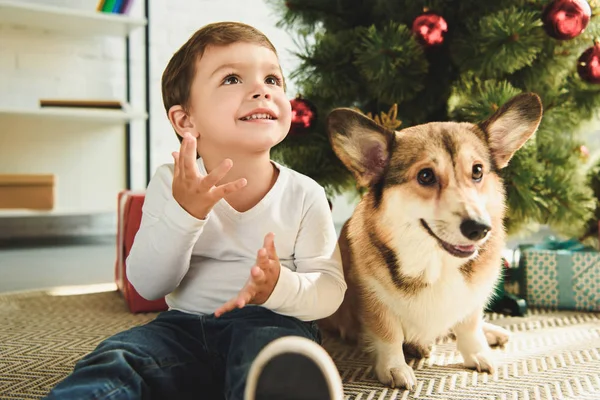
(273, 80)
(231, 80)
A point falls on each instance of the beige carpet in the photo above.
(553, 355)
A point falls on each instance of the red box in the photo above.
(129, 213)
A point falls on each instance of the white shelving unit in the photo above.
(81, 24)
(49, 213)
(60, 19)
(74, 114)
(72, 22)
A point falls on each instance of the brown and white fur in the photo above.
(422, 255)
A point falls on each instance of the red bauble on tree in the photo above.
(584, 152)
(429, 29)
(304, 115)
(588, 64)
(566, 19)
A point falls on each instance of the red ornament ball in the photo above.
(566, 19)
(304, 115)
(588, 64)
(584, 152)
(430, 28)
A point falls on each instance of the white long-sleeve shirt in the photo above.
(201, 264)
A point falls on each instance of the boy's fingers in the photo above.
(189, 156)
(217, 174)
(230, 187)
(176, 162)
(258, 275)
(241, 302)
(230, 305)
(244, 297)
(262, 260)
(236, 302)
(181, 157)
(270, 245)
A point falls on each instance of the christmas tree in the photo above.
(407, 62)
(592, 234)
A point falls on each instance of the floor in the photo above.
(552, 355)
(51, 263)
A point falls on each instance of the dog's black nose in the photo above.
(474, 230)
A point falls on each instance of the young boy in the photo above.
(244, 249)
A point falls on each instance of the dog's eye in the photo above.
(477, 172)
(426, 177)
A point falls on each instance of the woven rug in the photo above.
(552, 355)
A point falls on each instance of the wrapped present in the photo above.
(557, 274)
(129, 218)
(503, 301)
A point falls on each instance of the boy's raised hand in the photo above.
(263, 278)
(195, 193)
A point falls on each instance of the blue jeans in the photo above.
(180, 356)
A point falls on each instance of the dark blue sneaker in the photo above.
(293, 368)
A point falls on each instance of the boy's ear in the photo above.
(360, 143)
(511, 126)
(180, 120)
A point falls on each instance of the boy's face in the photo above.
(237, 101)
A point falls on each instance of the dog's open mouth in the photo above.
(455, 250)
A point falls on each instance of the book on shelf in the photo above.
(83, 103)
(114, 6)
(117, 6)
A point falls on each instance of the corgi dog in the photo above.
(422, 250)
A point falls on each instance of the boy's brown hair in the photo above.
(179, 73)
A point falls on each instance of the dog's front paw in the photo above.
(476, 352)
(396, 376)
(482, 361)
(495, 335)
(415, 350)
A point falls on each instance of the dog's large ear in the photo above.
(511, 126)
(360, 143)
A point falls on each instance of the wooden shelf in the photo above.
(55, 223)
(73, 21)
(23, 213)
(74, 114)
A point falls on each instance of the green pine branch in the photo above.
(500, 43)
(392, 63)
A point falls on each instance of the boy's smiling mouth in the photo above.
(259, 114)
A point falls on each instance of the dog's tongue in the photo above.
(465, 249)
